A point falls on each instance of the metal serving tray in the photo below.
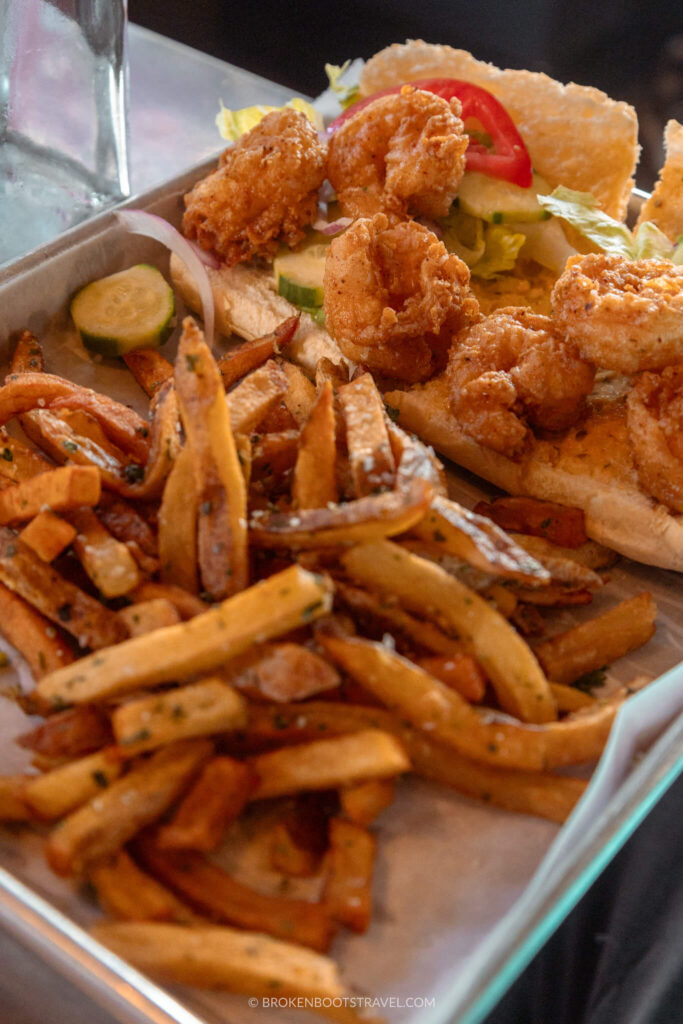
(458, 914)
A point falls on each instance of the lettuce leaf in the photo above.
(463, 235)
(233, 123)
(502, 247)
(346, 94)
(650, 243)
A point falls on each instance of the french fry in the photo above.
(217, 798)
(164, 448)
(178, 525)
(213, 892)
(228, 958)
(66, 605)
(255, 396)
(460, 672)
(329, 764)
(415, 459)
(69, 734)
(17, 461)
(560, 524)
(476, 540)
(569, 698)
(106, 823)
(28, 355)
(336, 373)
(274, 454)
(129, 894)
(146, 616)
(348, 882)
(13, 807)
(372, 460)
(125, 522)
(591, 554)
(56, 436)
(38, 642)
(421, 586)
(60, 489)
(243, 358)
(149, 368)
(557, 595)
(289, 857)
(600, 641)
(503, 599)
(267, 609)
(62, 790)
(48, 535)
(315, 477)
(107, 561)
(219, 483)
(299, 394)
(282, 672)
(186, 604)
(365, 801)
(200, 709)
(362, 520)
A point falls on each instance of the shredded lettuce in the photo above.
(463, 234)
(233, 123)
(487, 249)
(502, 247)
(346, 94)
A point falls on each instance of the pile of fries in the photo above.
(263, 592)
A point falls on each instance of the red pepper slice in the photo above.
(509, 159)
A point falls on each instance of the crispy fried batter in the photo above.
(403, 153)
(263, 191)
(394, 297)
(625, 315)
(511, 368)
(654, 419)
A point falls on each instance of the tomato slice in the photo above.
(508, 159)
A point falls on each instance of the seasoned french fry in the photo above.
(600, 641)
(219, 483)
(273, 454)
(372, 460)
(149, 368)
(28, 355)
(336, 373)
(117, 813)
(363, 802)
(200, 709)
(146, 616)
(48, 535)
(216, 799)
(69, 734)
(12, 804)
(362, 520)
(503, 599)
(414, 459)
(591, 554)
(569, 698)
(62, 790)
(329, 763)
(282, 672)
(249, 355)
(421, 586)
(38, 642)
(557, 523)
(299, 394)
(57, 437)
(41, 586)
(186, 604)
(348, 884)
(315, 476)
(270, 608)
(289, 857)
(178, 525)
(129, 894)
(107, 561)
(212, 891)
(126, 524)
(459, 672)
(67, 487)
(228, 958)
(17, 461)
(255, 396)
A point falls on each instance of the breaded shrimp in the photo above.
(654, 417)
(394, 297)
(404, 153)
(625, 315)
(514, 368)
(264, 190)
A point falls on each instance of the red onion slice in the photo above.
(139, 222)
(333, 227)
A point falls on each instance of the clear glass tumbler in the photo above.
(63, 116)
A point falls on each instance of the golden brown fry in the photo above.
(126, 524)
(28, 355)
(365, 801)
(164, 448)
(146, 616)
(12, 804)
(282, 672)
(421, 586)
(48, 535)
(329, 763)
(591, 554)
(415, 459)
(315, 473)
(62, 790)
(560, 524)
(299, 394)
(219, 483)
(243, 358)
(86, 619)
(362, 520)
(503, 598)
(348, 884)
(200, 709)
(149, 368)
(60, 489)
(336, 373)
(178, 525)
(460, 672)
(38, 642)
(17, 461)
(107, 561)
(213, 892)
(69, 734)
(129, 894)
(370, 454)
(569, 698)
(116, 814)
(600, 641)
(255, 396)
(217, 798)
(186, 604)
(56, 435)
(267, 609)
(288, 856)
(272, 455)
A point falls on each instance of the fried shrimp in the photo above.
(625, 315)
(394, 297)
(654, 417)
(513, 368)
(264, 190)
(404, 153)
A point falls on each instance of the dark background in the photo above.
(633, 50)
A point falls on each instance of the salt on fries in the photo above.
(241, 578)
